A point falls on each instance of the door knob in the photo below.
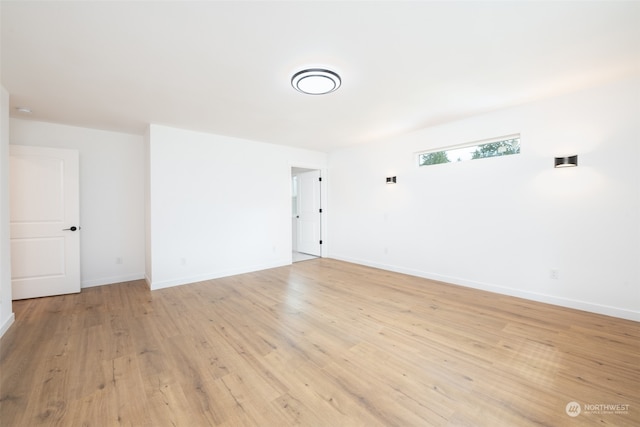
(74, 228)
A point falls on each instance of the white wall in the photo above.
(218, 205)
(111, 196)
(6, 311)
(502, 224)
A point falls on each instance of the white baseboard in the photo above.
(534, 296)
(111, 280)
(7, 323)
(214, 275)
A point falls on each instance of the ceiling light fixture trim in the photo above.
(316, 81)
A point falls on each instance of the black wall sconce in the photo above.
(391, 180)
(565, 162)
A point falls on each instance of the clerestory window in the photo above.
(502, 146)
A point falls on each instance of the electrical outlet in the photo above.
(554, 274)
(119, 260)
(183, 261)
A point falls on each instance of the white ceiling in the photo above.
(225, 67)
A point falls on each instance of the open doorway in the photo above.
(306, 214)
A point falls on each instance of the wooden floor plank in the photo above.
(317, 343)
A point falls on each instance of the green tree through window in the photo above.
(434, 158)
(494, 148)
(498, 148)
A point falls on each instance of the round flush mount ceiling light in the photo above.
(316, 81)
(23, 110)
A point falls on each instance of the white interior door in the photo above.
(45, 240)
(309, 213)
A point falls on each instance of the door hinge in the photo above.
(320, 241)
(320, 210)
(320, 179)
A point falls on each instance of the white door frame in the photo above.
(323, 202)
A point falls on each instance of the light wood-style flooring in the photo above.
(317, 343)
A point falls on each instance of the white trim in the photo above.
(112, 280)
(533, 296)
(154, 286)
(324, 202)
(470, 144)
(7, 323)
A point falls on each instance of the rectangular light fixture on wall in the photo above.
(565, 162)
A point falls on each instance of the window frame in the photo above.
(477, 143)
